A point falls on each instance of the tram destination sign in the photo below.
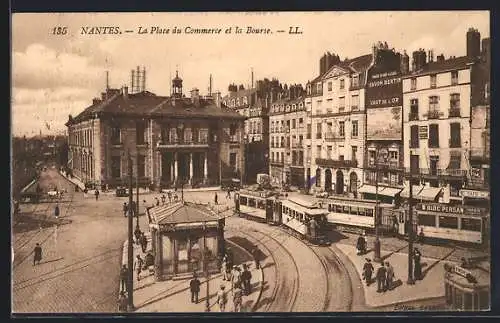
(450, 209)
(474, 194)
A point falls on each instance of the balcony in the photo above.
(478, 184)
(454, 143)
(331, 137)
(297, 163)
(277, 163)
(454, 112)
(235, 138)
(434, 114)
(336, 163)
(298, 145)
(179, 143)
(412, 116)
(392, 165)
(354, 108)
(432, 172)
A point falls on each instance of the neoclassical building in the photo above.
(172, 139)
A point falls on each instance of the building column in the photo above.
(175, 167)
(205, 168)
(191, 168)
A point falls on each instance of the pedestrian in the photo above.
(246, 277)
(125, 209)
(157, 201)
(163, 199)
(223, 269)
(215, 199)
(150, 262)
(222, 298)
(235, 277)
(144, 243)
(37, 254)
(85, 191)
(255, 254)
(417, 266)
(389, 275)
(228, 194)
(421, 236)
(194, 286)
(381, 278)
(360, 245)
(137, 235)
(169, 194)
(138, 265)
(237, 298)
(368, 271)
(56, 211)
(96, 194)
(133, 208)
(122, 302)
(124, 278)
(176, 198)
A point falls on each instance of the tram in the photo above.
(358, 216)
(307, 220)
(255, 205)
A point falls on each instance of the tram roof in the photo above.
(357, 202)
(262, 194)
(309, 211)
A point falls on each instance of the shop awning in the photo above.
(429, 193)
(368, 189)
(390, 191)
(416, 190)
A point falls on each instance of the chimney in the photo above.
(440, 58)
(143, 79)
(132, 81)
(125, 92)
(137, 80)
(96, 101)
(473, 39)
(217, 99)
(195, 96)
(405, 63)
(103, 96)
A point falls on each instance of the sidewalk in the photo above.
(175, 296)
(430, 287)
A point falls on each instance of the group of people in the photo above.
(141, 239)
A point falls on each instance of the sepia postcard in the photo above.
(250, 162)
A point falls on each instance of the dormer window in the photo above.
(355, 80)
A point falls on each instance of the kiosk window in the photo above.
(471, 224)
(448, 222)
(428, 220)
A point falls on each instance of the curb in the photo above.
(261, 271)
(79, 184)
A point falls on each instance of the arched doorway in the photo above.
(339, 183)
(353, 183)
(328, 180)
(318, 177)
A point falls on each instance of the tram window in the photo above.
(330, 208)
(428, 220)
(261, 204)
(251, 202)
(346, 209)
(448, 222)
(471, 224)
(354, 210)
(243, 200)
(369, 212)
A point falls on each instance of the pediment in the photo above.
(335, 71)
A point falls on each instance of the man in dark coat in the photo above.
(246, 277)
(216, 199)
(124, 278)
(56, 211)
(381, 278)
(138, 235)
(368, 271)
(417, 269)
(96, 194)
(194, 286)
(122, 302)
(144, 243)
(360, 245)
(37, 257)
(125, 209)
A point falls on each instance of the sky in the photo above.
(54, 76)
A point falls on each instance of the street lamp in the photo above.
(130, 256)
(410, 280)
(380, 156)
(206, 256)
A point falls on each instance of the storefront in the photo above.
(186, 238)
(468, 289)
(423, 193)
(384, 194)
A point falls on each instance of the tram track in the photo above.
(286, 300)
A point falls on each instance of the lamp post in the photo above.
(410, 280)
(205, 265)
(379, 156)
(130, 256)
(137, 194)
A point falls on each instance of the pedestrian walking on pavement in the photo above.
(137, 235)
(237, 298)
(138, 265)
(228, 194)
(360, 245)
(417, 266)
(133, 206)
(163, 199)
(124, 278)
(229, 257)
(96, 194)
(125, 209)
(56, 211)
(194, 286)
(421, 236)
(37, 254)
(255, 254)
(236, 277)
(389, 276)
(368, 271)
(216, 199)
(144, 243)
(381, 278)
(223, 269)
(222, 298)
(122, 302)
(169, 194)
(150, 262)
(246, 277)
(157, 201)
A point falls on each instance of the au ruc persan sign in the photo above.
(449, 209)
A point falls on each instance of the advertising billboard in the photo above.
(384, 123)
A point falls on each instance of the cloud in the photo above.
(22, 96)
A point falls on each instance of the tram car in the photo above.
(255, 205)
(358, 216)
(307, 220)
(457, 223)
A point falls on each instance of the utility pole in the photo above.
(130, 256)
(376, 257)
(137, 194)
(205, 263)
(410, 280)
